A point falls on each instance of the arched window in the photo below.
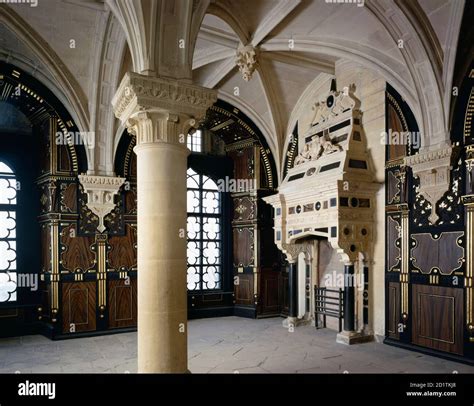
(8, 265)
(204, 232)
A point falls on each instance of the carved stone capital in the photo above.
(292, 251)
(101, 192)
(433, 168)
(246, 60)
(160, 110)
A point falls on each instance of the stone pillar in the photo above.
(160, 113)
(366, 297)
(350, 336)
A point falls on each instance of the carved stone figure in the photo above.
(328, 146)
(304, 156)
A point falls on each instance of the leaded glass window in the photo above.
(195, 141)
(8, 195)
(204, 233)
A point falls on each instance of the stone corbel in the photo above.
(101, 192)
(246, 60)
(433, 168)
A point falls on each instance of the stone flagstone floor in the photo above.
(223, 345)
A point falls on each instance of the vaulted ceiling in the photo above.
(78, 49)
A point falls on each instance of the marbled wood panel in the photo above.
(123, 250)
(393, 250)
(444, 253)
(394, 310)
(45, 248)
(244, 290)
(122, 303)
(64, 159)
(243, 246)
(269, 291)
(76, 251)
(438, 317)
(131, 200)
(243, 163)
(79, 306)
(68, 197)
(396, 151)
(244, 209)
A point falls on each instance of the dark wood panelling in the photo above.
(438, 315)
(243, 246)
(69, 197)
(269, 292)
(244, 209)
(45, 249)
(396, 150)
(443, 253)
(133, 166)
(393, 310)
(77, 253)
(131, 201)
(244, 290)
(64, 161)
(44, 131)
(123, 252)
(393, 190)
(393, 251)
(122, 303)
(243, 163)
(79, 306)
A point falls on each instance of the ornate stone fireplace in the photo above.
(329, 194)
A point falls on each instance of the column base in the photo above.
(294, 322)
(353, 337)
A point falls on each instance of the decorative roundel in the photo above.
(346, 231)
(353, 248)
(310, 171)
(330, 101)
(354, 202)
(364, 231)
(317, 206)
(298, 209)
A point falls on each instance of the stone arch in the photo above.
(66, 87)
(427, 78)
(107, 69)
